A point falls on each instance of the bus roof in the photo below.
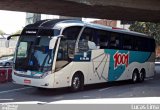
(118, 30)
(50, 24)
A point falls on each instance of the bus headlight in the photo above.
(45, 74)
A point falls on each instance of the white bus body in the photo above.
(83, 54)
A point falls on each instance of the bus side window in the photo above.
(114, 41)
(151, 47)
(127, 42)
(136, 44)
(71, 34)
(86, 41)
(103, 39)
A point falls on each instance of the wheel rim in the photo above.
(76, 83)
(134, 77)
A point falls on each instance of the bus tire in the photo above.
(142, 75)
(41, 89)
(135, 77)
(77, 82)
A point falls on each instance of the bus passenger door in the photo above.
(98, 60)
(99, 66)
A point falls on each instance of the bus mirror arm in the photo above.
(15, 35)
(8, 38)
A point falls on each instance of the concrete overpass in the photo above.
(141, 10)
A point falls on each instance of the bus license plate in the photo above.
(26, 81)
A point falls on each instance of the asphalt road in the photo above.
(17, 93)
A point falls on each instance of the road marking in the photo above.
(131, 95)
(100, 90)
(58, 98)
(148, 79)
(86, 96)
(13, 90)
(6, 99)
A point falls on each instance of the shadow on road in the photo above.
(121, 89)
(59, 91)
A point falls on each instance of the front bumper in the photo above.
(47, 82)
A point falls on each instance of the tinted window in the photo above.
(71, 33)
(115, 41)
(150, 45)
(104, 38)
(127, 42)
(143, 44)
(108, 39)
(88, 40)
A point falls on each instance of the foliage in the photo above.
(151, 29)
(1, 32)
(17, 32)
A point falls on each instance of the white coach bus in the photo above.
(71, 53)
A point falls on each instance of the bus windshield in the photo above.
(33, 54)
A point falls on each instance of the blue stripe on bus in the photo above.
(115, 73)
(134, 56)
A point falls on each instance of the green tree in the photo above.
(151, 29)
(17, 32)
(1, 32)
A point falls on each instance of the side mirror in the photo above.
(8, 39)
(52, 42)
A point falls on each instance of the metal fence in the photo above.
(2, 42)
(12, 43)
(7, 51)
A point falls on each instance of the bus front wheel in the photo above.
(77, 83)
